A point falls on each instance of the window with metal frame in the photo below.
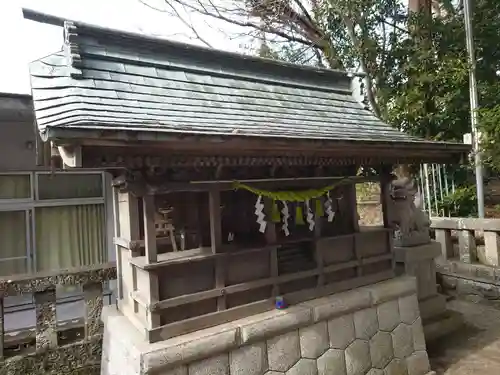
(51, 221)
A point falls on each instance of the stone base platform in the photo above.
(443, 325)
(420, 262)
(372, 330)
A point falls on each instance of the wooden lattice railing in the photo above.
(51, 353)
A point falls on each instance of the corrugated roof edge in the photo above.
(126, 37)
(148, 135)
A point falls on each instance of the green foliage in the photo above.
(490, 142)
(368, 191)
(461, 203)
(426, 90)
(416, 65)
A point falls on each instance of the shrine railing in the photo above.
(51, 347)
(469, 240)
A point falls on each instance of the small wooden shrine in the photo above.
(235, 177)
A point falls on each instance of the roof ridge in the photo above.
(79, 27)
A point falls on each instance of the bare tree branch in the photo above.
(190, 25)
(262, 27)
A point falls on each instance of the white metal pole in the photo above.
(474, 107)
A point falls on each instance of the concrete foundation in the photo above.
(420, 262)
(374, 330)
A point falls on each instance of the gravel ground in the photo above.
(474, 349)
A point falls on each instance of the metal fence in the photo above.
(435, 182)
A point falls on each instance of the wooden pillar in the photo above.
(127, 223)
(148, 286)
(271, 238)
(318, 250)
(351, 202)
(118, 251)
(151, 251)
(214, 206)
(353, 205)
(215, 220)
(385, 202)
(385, 195)
(128, 220)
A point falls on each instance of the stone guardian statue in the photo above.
(410, 222)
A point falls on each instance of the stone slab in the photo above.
(340, 304)
(294, 317)
(392, 289)
(419, 253)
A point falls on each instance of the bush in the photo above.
(461, 203)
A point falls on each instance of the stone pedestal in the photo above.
(420, 262)
(370, 330)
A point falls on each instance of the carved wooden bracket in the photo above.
(71, 156)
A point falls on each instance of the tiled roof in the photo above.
(109, 80)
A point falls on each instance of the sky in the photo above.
(22, 41)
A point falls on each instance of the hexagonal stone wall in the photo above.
(384, 338)
(314, 340)
(357, 358)
(341, 331)
(283, 351)
(388, 315)
(256, 354)
(402, 340)
(365, 323)
(381, 349)
(332, 363)
(381, 340)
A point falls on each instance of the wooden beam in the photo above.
(204, 254)
(255, 284)
(224, 185)
(260, 146)
(149, 289)
(215, 318)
